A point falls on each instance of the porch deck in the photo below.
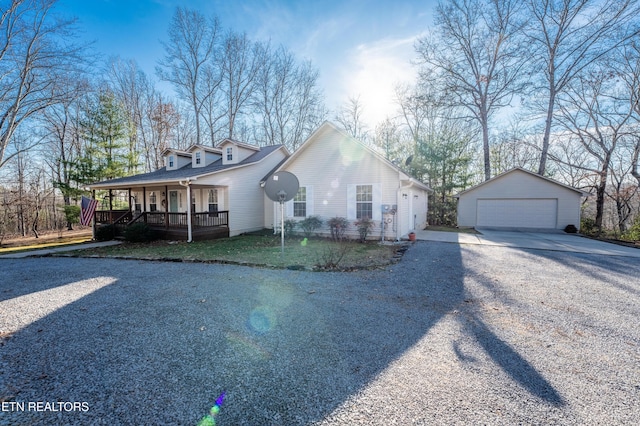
(169, 225)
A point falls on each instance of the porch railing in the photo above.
(112, 216)
(165, 219)
(179, 220)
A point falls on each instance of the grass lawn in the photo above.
(57, 239)
(262, 250)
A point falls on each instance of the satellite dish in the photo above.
(282, 186)
(408, 160)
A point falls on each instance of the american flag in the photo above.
(87, 208)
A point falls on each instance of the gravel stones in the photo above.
(452, 334)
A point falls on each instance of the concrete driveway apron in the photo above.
(532, 240)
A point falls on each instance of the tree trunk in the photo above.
(634, 161)
(547, 133)
(600, 192)
(485, 147)
(67, 202)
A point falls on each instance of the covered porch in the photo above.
(164, 209)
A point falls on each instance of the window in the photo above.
(193, 202)
(229, 154)
(364, 201)
(198, 159)
(153, 202)
(300, 203)
(213, 200)
(171, 161)
(136, 203)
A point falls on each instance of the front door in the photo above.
(173, 201)
(173, 207)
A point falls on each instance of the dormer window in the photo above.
(229, 153)
(171, 161)
(198, 157)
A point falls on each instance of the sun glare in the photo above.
(20, 311)
(380, 66)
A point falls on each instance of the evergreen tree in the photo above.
(106, 130)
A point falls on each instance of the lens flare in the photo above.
(262, 319)
(209, 419)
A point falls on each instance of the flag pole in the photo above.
(93, 226)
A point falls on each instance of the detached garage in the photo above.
(520, 199)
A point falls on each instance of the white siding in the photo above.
(244, 198)
(333, 165)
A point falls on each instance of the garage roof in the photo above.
(581, 192)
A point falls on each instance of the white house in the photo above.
(202, 192)
(341, 177)
(520, 199)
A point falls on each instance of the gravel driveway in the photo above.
(453, 334)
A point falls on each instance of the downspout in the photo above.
(187, 184)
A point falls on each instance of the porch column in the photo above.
(144, 202)
(110, 206)
(189, 228)
(187, 184)
(165, 201)
(93, 226)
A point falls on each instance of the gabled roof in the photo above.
(516, 169)
(328, 126)
(195, 146)
(177, 152)
(164, 176)
(238, 143)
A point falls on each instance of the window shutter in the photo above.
(376, 201)
(288, 209)
(309, 201)
(351, 202)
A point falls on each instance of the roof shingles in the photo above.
(163, 175)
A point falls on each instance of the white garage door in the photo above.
(517, 213)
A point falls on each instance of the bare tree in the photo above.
(621, 191)
(514, 147)
(37, 58)
(567, 36)
(629, 61)
(388, 138)
(192, 44)
(595, 112)
(61, 125)
(350, 118)
(414, 105)
(287, 100)
(241, 63)
(475, 53)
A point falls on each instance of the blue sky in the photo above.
(360, 47)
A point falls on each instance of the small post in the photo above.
(282, 195)
(282, 229)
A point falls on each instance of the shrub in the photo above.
(310, 224)
(72, 214)
(633, 233)
(332, 255)
(364, 225)
(105, 233)
(570, 229)
(139, 233)
(588, 226)
(289, 225)
(338, 227)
